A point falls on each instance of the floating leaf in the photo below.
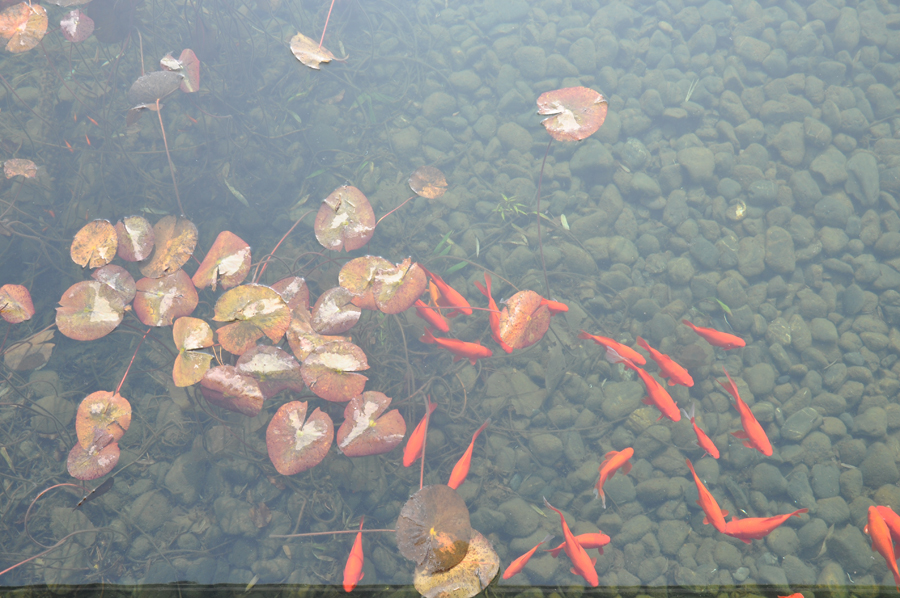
(160, 300)
(467, 579)
(224, 386)
(295, 445)
(396, 288)
(259, 311)
(102, 411)
(175, 239)
(357, 276)
(190, 365)
(577, 112)
(95, 244)
(24, 24)
(136, 238)
(334, 312)
(31, 353)
(76, 26)
(301, 336)
(228, 262)
(94, 462)
(191, 65)
(150, 87)
(89, 310)
(15, 303)
(309, 52)
(118, 279)
(329, 371)
(294, 291)
(524, 320)
(428, 182)
(433, 529)
(19, 167)
(365, 430)
(274, 369)
(345, 220)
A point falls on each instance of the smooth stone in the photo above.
(680, 271)
(800, 491)
(863, 178)
(790, 143)
(59, 412)
(767, 479)
(620, 399)
(872, 423)
(783, 541)
(515, 136)
(521, 519)
(849, 547)
(751, 257)
(532, 62)
(699, 162)
(888, 245)
(780, 250)
(823, 330)
(751, 49)
(547, 448)
(762, 193)
(846, 31)
(833, 510)
(833, 211)
(760, 378)
(825, 480)
(805, 189)
(437, 105)
(233, 516)
(830, 165)
(671, 535)
(812, 533)
(797, 572)
(634, 529)
(466, 80)
(879, 468)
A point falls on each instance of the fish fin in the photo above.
(724, 514)
(457, 358)
(427, 338)
(647, 401)
(643, 344)
(472, 360)
(483, 290)
(705, 519)
(361, 575)
(671, 382)
(608, 456)
(740, 434)
(627, 467)
(866, 529)
(600, 550)
(748, 444)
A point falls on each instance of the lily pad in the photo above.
(295, 445)
(160, 300)
(309, 52)
(345, 220)
(301, 336)
(19, 167)
(153, 86)
(136, 238)
(274, 369)
(428, 182)
(576, 112)
(93, 462)
(396, 288)
(224, 386)
(89, 310)
(76, 26)
(365, 430)
(524, 320)
(293, 290)
(330, 371)
(118, 279)
(467, 579)
(433, 529)
(27, 33)
(191, 334)
(30, 353)
(227, 262)
(102, 411)
(334, 312)
(357, 276)
(259, 311)
(15, 303)
(95, 244)
(175, 239)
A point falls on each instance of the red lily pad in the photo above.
(191, 334)
(95, 244)
(576, 112)
(15, 303)
(93, 462)
(227, 262)
(295, 445)
(524, 320)
(428, 182)
(160, 300)
(136, 238)
(118, 279)
(433, 529)
(329, 371)
(293, 290)
(24, 24)
(309, 52)
(345, 220)
(274, 369)
(357, 276)
(259, 311)
(301, 336)
(76, 26)
(365, 430)
(89, 310)
(396, 288)
(190, 65)
(102, 411)
(175, 239)
(224, 386)
(334, 312)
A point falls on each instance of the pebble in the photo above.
(879, 468)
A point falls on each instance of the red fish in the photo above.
(460, 349)
(611, 463)
(461, 469)
(450, 297)
(667, 367)
(623, 350)
(892, 520)
(797, 595)
(656, 394)
(716, 338)
(517, 565)
(581, 562)
(756, 528)
(413, 448)
(353, 572)
(555, 307)
(881, 541)
(494, 314)
(596, 540)
(714, 514)
(431, 316)
(752, 434)
(703, 441)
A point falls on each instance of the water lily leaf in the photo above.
(24, 35)
(294, 291)
(118, 279)
(136, 238)
(95, 244)
(188, 65)
(396, 288)
(524, 320)
(433, 529)
(259, 311)
(274, 369)
(160, 300)
(93, 462)
(334, 312)
(102, 411)
(301, 336)
(357, 276)
(76, 26)
(15, 303)
(12, 18)
(428, 182)
(329, 371)
(19, 167)
(30, 353)
(228, 262)
(190, 334)
(89, 310)
(309, 52)
(175, 239)
(576, 112)
(224, 386)
(153, 86)
(467, 579)
(365, 430)
(345, 220)
(295, 445)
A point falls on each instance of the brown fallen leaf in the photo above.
(260, 515)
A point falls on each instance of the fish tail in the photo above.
(427, 338)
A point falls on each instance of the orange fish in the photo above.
(517, 565)
(460, 349)
(878, 530)
(353, 572)
(752, 434)
(714, 514)
(461, 469)
(755, 528)
(716, 338)
(667, 367)
(413, 448)
(581, 563)
(432, 317)
(797, 595)
(494, 314)
(892, 520)
(623, 350)
(555, 307)
(596, 540)
(703, 441)
(611, 463)
(449, 296)
(656, 394)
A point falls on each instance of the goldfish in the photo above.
(460, 349)
(449, 297)
(611, 463)
(581, 563)
(623, 350)
(656, 394)
(353, 572)
(797, 595)
(596, 540)
(517, 565)
(461, 469)
(667, 366)
(431, 316)
(714, 514)
(703, 441)
(494, 314)
(755, 528)
(752, 433)
(555, 307)
(413, 448)
(878, 530)
(717, 338)
(892, 520)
